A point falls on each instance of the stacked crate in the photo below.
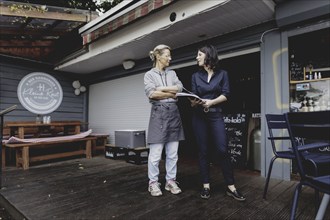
(130, 145)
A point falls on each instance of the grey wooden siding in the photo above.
(12, 71)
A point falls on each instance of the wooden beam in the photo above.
(27, 52)
(5, 11)
(18, 32)
(26, 43)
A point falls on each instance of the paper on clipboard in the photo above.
(184, 94)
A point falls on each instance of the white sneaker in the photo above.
(154, 189)
(172, 186)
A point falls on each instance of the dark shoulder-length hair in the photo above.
(211, 56)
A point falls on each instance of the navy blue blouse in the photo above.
(218, 85)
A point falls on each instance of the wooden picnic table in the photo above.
(33, 131)
(20, 128)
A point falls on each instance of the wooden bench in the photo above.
(99, 143)
(24, 159)
(32, 132)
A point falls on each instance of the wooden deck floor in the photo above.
(101, 188)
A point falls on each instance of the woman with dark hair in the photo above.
(212, 86)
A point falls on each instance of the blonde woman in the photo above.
(165, 127)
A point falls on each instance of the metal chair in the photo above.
(277, 126)
(278, 131)
(315, 127)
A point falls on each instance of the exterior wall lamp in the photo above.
(128, 64)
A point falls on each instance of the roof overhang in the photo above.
(195, 21)
(39, 32)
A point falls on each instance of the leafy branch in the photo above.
(27, 8)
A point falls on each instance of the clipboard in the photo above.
(189, 95)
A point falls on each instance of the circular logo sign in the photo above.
(40, 93)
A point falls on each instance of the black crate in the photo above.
(114, 152)
(137, 155)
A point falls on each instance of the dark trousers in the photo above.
(209, 129)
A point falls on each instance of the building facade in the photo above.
(257, 41)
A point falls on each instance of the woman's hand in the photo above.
(208, 103)
(158, 95)
(194, 102)
(171, 89)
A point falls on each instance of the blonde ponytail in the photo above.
(158, 50)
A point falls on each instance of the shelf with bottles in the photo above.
(310, 95)
(313, 75)
(310, 105)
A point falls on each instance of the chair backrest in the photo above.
(313, 126)
(277, 129)
(310, 125)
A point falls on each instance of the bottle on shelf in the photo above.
(307, 76)
(316, 106)
(309, 69)
(310, 75)
(304, 107)
(310, 105)
(38, 119)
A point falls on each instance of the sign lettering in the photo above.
(40, 93)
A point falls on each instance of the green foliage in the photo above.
(92, 5)
(106, 5)
(18, 8)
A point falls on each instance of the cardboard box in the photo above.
(130, 138)
(113, 152)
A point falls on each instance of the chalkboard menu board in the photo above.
(296, 71)
(237, 126)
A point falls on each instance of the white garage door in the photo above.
(118, 104)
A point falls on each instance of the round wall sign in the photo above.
(40, 93)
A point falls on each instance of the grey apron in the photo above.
(165, 123)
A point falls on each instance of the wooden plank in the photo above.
(30, 144)
(24, 43)
(118, 190)
(88, 149)
(22, 151)
(25, 158)
(44, 15)
(57, 155)
(99, 143)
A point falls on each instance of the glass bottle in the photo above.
(310, 105)
(38, 119)
(304, 107)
